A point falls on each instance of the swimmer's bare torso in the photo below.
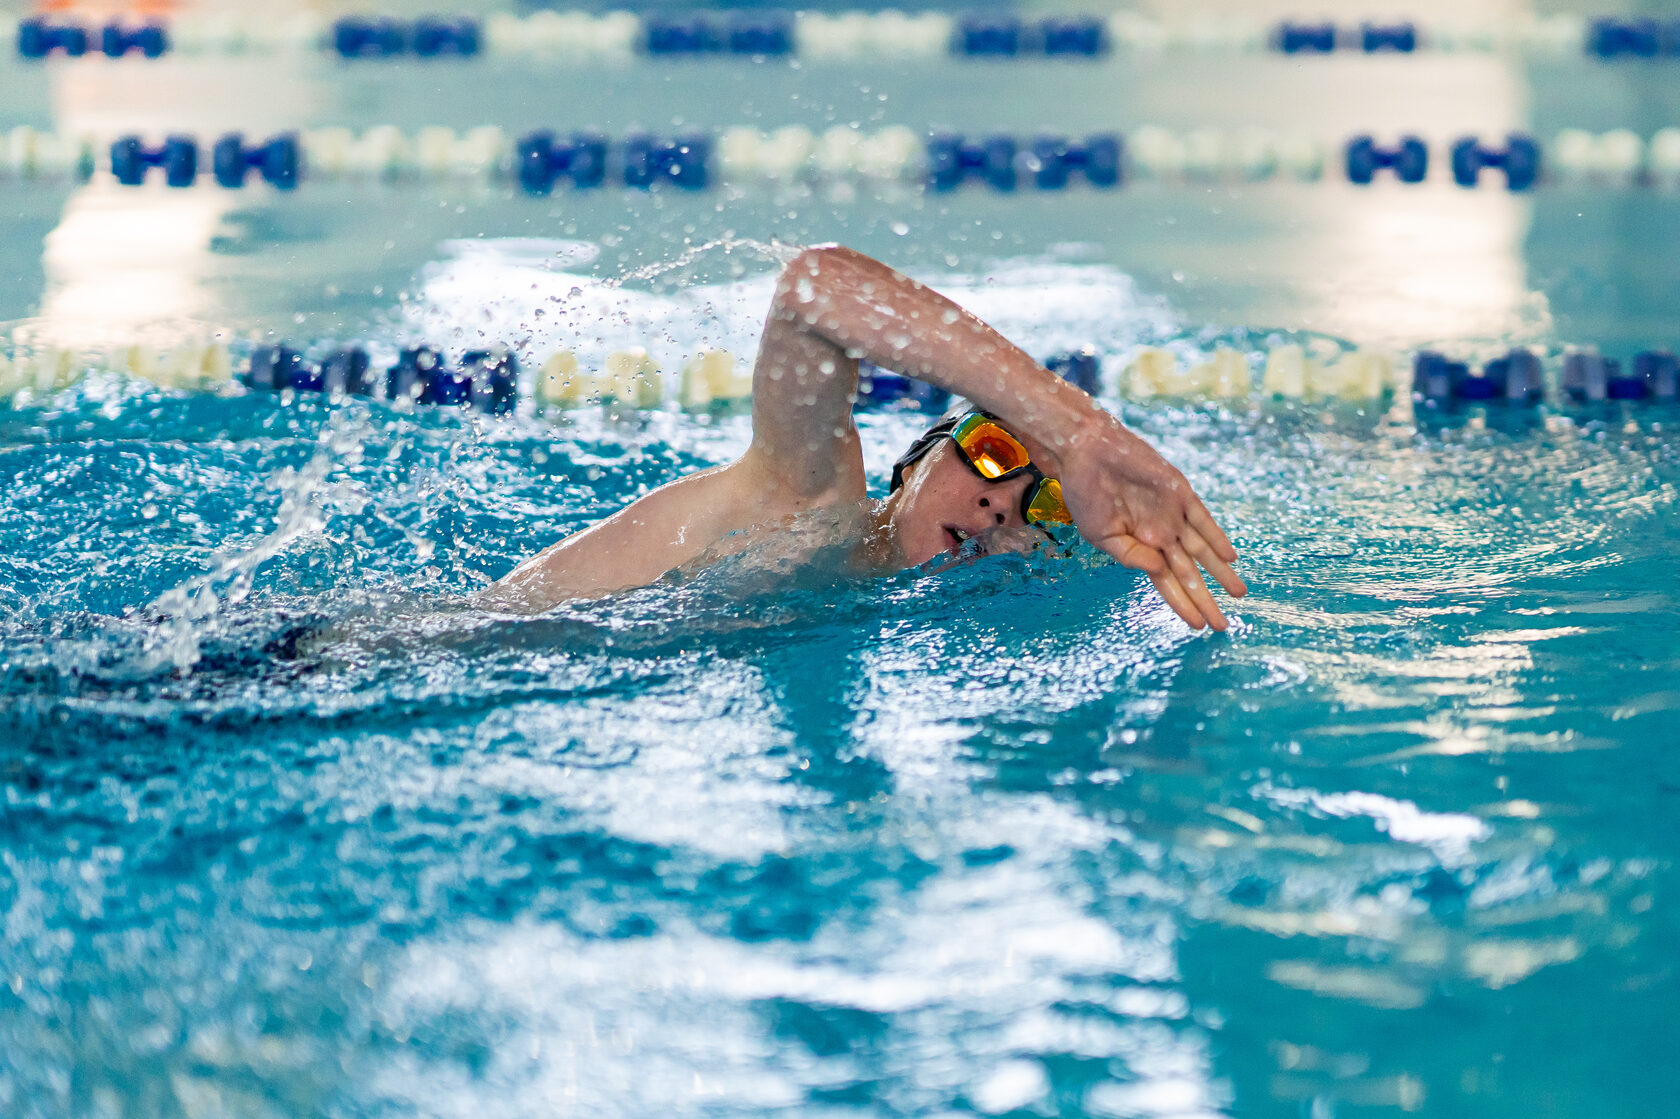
(833, 306)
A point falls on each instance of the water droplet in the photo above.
(900, 228)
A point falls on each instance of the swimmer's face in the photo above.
(943, 504)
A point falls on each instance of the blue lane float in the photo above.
(1589, 377)
(883, 388)
(275, 161)
(995, 160)
(1009, 37)
(436, 38)
(1519, 159)
(493, 380)
(1517, 378)
(1659, 372)
(1055, 159)
(177, 155)
(149, 40)
(1409, 160)
(347, 372)
(681, 162)
(952, 159)
(485, 380)
(1325, 38)
(1400, 38)
(1304, 38)
(1612, 38)
(542, 160)
(427, 37)
(369, 38)
(1080, 367)
(39, 38)
(768, 34)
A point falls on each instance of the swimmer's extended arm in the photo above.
(1125, 498)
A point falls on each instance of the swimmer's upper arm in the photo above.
(837, 301)
(804, 441)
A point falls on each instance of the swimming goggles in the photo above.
(997, 456)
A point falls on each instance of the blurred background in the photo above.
(95, 264)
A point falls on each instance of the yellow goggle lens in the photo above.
(1047, 504)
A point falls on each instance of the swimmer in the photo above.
(1034, 450)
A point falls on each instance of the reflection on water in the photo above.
(123, 270)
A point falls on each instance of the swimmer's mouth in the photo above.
(958, 537)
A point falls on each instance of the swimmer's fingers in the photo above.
(1206, 554)
(1134, 553)
(1208, 529)
(1184, 567)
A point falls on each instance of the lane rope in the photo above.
(842, 36)
(741, 157)
(494, 379)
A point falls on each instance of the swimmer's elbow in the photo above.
(813, 273)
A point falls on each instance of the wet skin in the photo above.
(943, 504)
(832, 307)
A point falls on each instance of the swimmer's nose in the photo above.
(1002, 506)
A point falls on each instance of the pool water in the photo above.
(287, 829)
(1001, 838)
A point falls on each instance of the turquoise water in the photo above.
(1005, 838)
(285, 830)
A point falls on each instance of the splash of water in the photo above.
(775, 251)
(189, 612)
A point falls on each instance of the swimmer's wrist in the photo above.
(1079, 420)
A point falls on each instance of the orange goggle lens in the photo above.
(989, 449)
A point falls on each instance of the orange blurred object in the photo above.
(145, 9)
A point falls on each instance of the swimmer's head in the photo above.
(940, 504)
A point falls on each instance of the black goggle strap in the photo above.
(924, 443)
(1030, 492)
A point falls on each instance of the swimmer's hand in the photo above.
(1136, 506)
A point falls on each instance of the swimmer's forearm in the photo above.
(872, 311)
